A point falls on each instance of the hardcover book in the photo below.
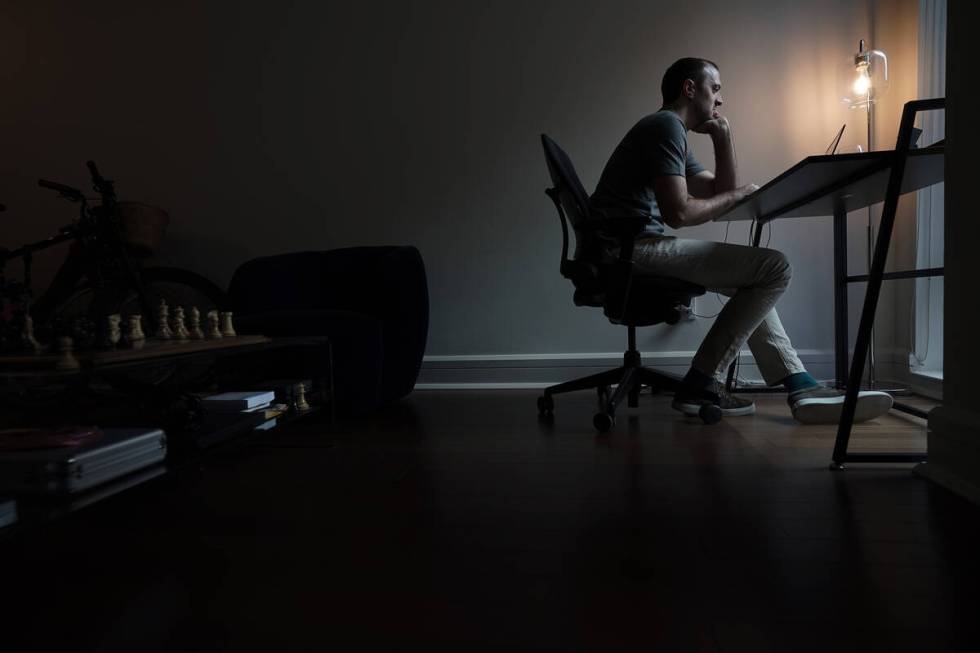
(233, 402)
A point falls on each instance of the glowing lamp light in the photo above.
(862, 82)
(867, 78)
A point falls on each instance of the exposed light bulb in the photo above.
(862, 83)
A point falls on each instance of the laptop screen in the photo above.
(832, 148)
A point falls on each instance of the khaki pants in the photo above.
(752, 277)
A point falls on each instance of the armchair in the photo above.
(371, 302)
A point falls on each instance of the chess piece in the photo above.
(214, 331)
(135, 335)
(28, 334)
(301, 403)
(113, 330)
(163, 321)
(66, 360)
(82, 331)
(227, 328)
(179, 328)
(194, 330)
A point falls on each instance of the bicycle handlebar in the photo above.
(96, 177)
(102, 186)
(71, 193)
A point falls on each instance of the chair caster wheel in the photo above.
(546, 405)
(603, 422)
(710, 413)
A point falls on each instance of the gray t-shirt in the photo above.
(656, 146)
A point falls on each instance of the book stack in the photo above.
(248, 401)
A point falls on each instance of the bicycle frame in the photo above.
(102, 248)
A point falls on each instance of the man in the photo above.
(653, 173)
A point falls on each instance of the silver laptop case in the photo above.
(73, 469)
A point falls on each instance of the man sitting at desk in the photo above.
(653, 174)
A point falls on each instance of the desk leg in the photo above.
(840, 296)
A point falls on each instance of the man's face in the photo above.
(707, 95)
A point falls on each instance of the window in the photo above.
(927, 346)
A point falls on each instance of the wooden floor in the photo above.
(461, 521)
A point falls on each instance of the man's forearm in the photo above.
(726, 177)
(698, 211)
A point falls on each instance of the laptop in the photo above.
(832, 148)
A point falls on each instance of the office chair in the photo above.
(626, 298)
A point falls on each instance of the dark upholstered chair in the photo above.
(626, 298)
(371, 302)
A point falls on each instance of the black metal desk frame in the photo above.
(874, 279)
(896, 162)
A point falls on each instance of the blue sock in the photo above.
(799, 381)
(697, 379)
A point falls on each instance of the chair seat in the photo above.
(647, 300)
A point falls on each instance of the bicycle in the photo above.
(103, 272)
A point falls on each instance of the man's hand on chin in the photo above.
(717, 126)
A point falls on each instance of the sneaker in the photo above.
(823, 405)
(689, 403)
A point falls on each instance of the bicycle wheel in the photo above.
(176, 286)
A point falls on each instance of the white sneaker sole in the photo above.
(691, 410)
(827, 410)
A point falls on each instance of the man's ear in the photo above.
(689, 88)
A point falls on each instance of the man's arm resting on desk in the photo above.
(679, 209)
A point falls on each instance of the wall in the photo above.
(309, 125)
(893, 29)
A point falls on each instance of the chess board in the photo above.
(152, 351)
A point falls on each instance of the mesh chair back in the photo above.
(573, 206)
(573, 197)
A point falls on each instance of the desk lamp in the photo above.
(870, 81)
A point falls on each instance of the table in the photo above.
(834, 185)
(155, 386)
(147, 383)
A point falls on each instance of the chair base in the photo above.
(629, 378)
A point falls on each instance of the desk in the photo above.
(835, 185)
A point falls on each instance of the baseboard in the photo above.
(954, 451)
(501, 371)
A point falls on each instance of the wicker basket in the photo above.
(142, 227)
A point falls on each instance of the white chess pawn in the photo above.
(301, 403)
(67, 360)
(179, 328)
(28, 334)
(227, 328)
(194, 330)
(163, 321)
(214, 331)
(135, 335)
(114, 329)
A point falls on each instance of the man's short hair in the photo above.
(687, 68)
